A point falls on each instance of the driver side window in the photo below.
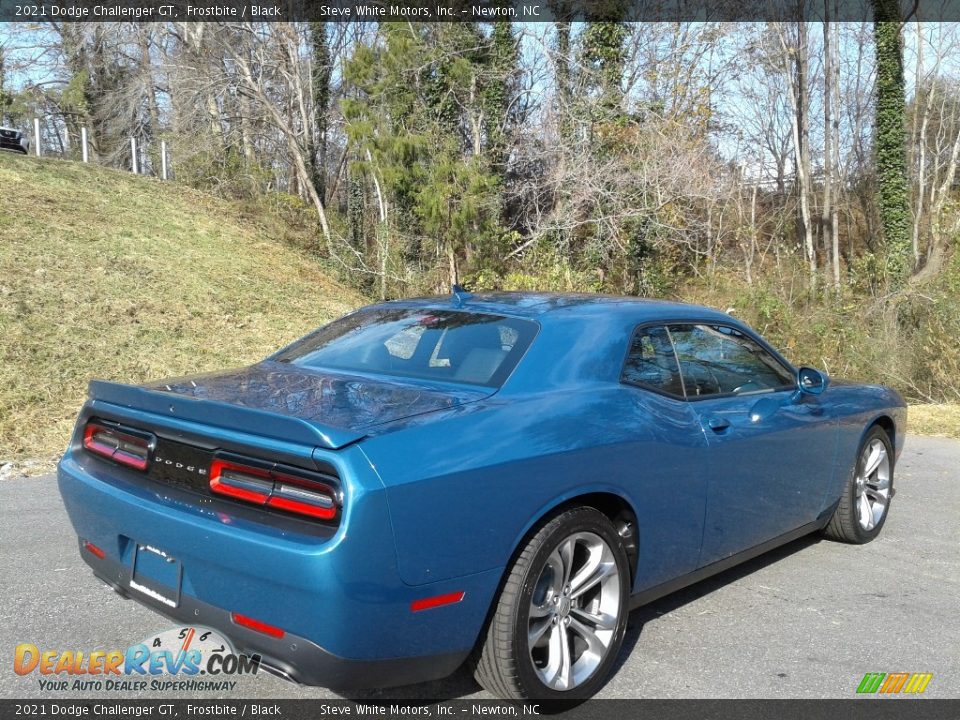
(716, 359)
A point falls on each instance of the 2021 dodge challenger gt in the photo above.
(497, 478)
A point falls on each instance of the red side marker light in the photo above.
(93, 549)
(436, 601)
(261, 627)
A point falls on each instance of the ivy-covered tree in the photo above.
(6, 98)
(890, 141)
(320, 71)
(604, 54)
(499, 94)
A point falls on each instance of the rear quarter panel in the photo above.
(464, 491)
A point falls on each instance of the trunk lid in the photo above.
(277, 400)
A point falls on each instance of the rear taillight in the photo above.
(240, 481)
(290, 494)
(284, 489)
(121, 445)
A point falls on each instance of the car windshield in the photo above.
(439, 345)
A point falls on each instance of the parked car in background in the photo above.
(494, 478)
(13, 139)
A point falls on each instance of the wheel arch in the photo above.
(889, 427)
(609, 501)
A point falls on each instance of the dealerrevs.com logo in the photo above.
(184, 658)
(894, 683)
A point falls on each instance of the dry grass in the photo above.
(942, 420)
(108, 275)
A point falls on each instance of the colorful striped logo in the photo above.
(894, 683)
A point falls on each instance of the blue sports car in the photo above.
(494, 478)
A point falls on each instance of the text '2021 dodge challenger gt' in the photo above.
(497, 478)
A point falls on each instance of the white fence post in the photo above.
(133, 155)
(83, 144)
(36, 134)
(163, 159)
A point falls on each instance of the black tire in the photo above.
(505, 666)
(845, 525)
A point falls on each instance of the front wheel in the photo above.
(562, 614)
(863, 506)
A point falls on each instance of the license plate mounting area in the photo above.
(156, 574)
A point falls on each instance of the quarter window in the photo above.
(652, 363)
(715, 359)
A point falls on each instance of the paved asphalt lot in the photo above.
(805, 621)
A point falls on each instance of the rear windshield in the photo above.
(442, 345)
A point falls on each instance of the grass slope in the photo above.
(107, 275)
(941, 420)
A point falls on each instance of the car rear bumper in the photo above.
(347, 616)
(292, 657)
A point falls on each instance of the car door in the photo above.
(665, 458)
(770, 448)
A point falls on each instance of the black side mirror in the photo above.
(811, 381)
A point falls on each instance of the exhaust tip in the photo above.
(278, 672)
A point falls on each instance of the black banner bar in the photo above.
(461, 10)
(854, 709)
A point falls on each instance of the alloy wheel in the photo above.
(872, 484)
(574, 611)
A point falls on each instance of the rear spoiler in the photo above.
(224, 415)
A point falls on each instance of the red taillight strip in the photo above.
(319, 504)
(94, 431)
(302, 508)
(225, 488)
(436, 601)
(273, 488)
(261, 627)
(239, 481)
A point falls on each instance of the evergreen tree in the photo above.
(416, 121)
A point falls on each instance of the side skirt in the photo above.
(658, 591)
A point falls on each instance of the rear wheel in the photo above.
(561, 616)
(862, 510)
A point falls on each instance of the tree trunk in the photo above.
(826, 213)
(796, 76)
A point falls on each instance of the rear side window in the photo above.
(715, 359)
(652, 363)
(442, 345)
